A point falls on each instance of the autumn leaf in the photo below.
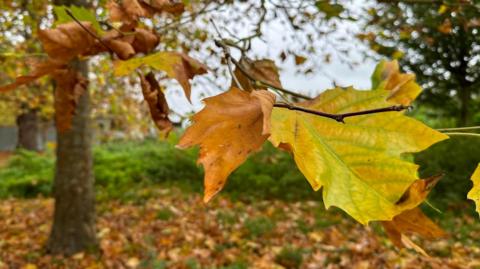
(232, 125)
(402, 87)
(176, 65)
(70, 85)
(359, 163)
(264, 70)
(39, 69)
(131, 11)
(411, 221)
(153, 94)
(299, 60)
(67, 41)
(474, 193)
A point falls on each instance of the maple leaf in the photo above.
(264, 70)
(474, 193)
(402, 87)
(153, 94)
(176, 65)
(68, 40)
(70, 86)
(359, 163)
(39, 69)
(411, 221)
(230, 127)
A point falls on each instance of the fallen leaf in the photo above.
(232, 125)
(153, 94)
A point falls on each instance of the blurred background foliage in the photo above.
(125, 169)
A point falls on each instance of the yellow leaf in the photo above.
(474, 193)
(402, 87)
(230, 127)
(359, 163)
(176, 65)
(29, 266)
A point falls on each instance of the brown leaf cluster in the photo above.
(153, 95)
(130, 11)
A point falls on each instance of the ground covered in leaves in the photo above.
(171, 229)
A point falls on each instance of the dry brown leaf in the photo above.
(145, 41)
(131, 10)
(123, 49)
(39, 69)
(70, 85)
(153, 94)
(412, 221)
(186, 71)
(68, 40)
(230, 127)
(264, 70)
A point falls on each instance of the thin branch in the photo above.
(224, 46)
(341, 117)
(69, 13)
(463, 134)
(459, 129)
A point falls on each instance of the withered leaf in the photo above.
(68, 40)
(153, 94)
(70, 85)
(411, 221)
(145, 41)
(230, 127)
(39, 69)
(264, 70)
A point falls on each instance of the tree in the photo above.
(438, 41)
(349, 143)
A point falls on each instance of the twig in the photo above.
(227, 53)
(69, 13)
(459, 129)
(341, 117)
(463, 134)
(224, 46)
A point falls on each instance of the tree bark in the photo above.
(73, 227)
(28, 124)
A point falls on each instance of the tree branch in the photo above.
(341, 117)
(224, 46)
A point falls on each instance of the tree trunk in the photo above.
(74, 219)
(28, 124)
(465, 96)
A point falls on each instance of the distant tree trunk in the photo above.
(465, 96)
(28, 124)
(74, 219)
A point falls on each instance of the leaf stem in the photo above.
(341, 117)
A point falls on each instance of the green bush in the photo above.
(28, 175)
(457, 158)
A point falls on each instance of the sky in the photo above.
(323, 77)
